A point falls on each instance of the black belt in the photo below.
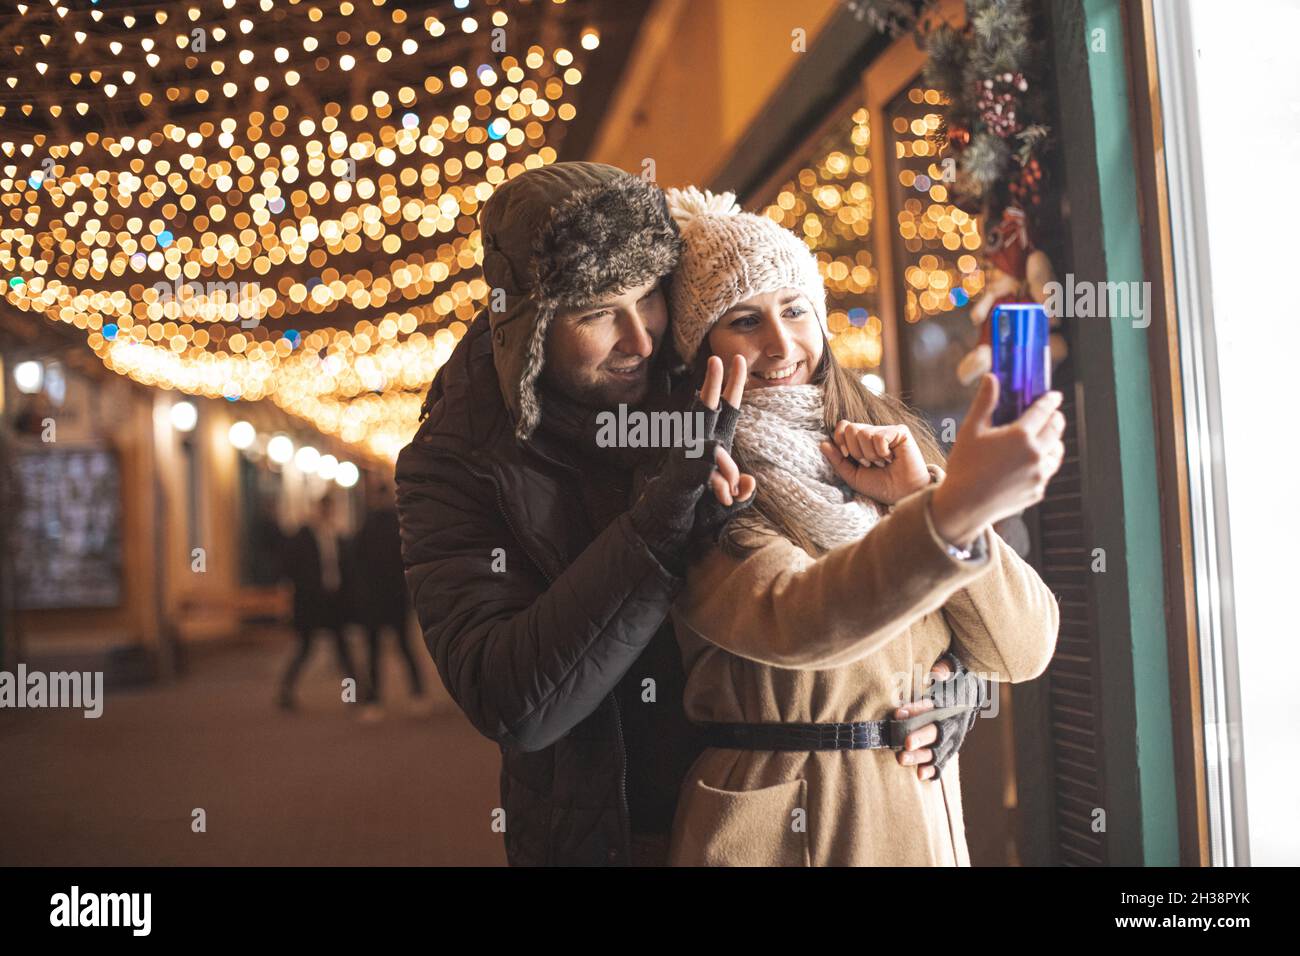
(860, 735)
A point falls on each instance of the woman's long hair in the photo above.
(845, 398)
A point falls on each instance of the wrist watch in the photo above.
(961, 554)
(977, 551)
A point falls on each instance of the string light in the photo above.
(184, 416)
(939, 268)
(323, 259)
(280, 449)
(242, 435)
(830, 204)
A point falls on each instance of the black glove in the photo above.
(961, 687)
(665, 512)
(711, 515)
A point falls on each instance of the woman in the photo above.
(861, 560)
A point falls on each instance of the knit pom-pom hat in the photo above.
(727, 257)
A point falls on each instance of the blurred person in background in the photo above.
(377, 590)
(313, 562)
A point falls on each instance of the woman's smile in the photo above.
(780, 375)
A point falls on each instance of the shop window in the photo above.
(917, 298)
(66, 536)
(936, 271)
(831, 205)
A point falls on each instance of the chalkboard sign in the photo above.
(67, 539)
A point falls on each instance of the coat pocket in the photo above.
(763, 827)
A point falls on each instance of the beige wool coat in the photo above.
(781, 636)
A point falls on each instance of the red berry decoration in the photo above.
(998, 99)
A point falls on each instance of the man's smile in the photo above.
(628, 370)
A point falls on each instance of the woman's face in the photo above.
(777, 333)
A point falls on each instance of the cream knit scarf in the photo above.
(778, 438)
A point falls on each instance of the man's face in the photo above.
(601, 354)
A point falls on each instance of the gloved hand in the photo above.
(711, 515)
(961, 687)
(666, 511)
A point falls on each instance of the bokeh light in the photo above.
(263, 218)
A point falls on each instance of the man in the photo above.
(378, 596)
(543, 566)
(313, 562)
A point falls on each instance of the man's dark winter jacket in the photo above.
(533, 653)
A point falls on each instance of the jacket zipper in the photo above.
(622, 781)
(501, 502)
(624, 812)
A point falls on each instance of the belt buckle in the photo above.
(899, 729)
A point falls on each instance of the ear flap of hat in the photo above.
(530, 404)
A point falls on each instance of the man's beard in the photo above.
(599, 390)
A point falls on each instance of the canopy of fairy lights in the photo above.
(273, 199)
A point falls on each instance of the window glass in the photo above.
(829, 203)
(936, 259)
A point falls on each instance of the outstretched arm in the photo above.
(780, 606)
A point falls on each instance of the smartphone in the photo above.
(1021, 356)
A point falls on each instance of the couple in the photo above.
(694, 660)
